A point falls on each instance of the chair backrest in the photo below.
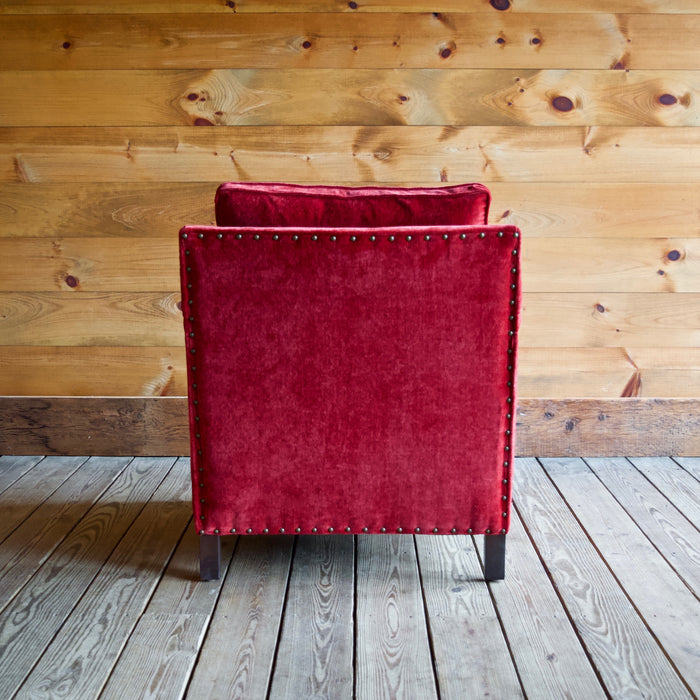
(276, 204)
(351, 379)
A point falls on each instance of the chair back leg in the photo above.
(209, 557)
(494, 557)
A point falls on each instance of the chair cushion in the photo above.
(351, 379)
(272, 204)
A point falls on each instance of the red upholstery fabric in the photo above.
(275, 204)
(350, 379)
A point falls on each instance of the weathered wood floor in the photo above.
(99, 594)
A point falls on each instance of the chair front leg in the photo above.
(209, 557)
(494, 557)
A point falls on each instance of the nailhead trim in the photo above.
(391, 238)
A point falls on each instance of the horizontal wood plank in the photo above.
(144, 319)
(22, 7)
(159, 426)
(365, 97)
(110, 319)
(153, 210)
(151, 265)
(351, 40)
(99, 371)
(161, 371)
(350, 154)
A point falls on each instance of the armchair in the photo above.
(351, 364)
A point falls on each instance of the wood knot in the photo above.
(500, 5)
(667, 99)
(562, 104)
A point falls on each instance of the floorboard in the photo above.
(100, 597)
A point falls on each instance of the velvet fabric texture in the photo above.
(350, 379)
(277, 204)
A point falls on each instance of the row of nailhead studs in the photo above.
(509, 400)
(353, 238)
(282, 531)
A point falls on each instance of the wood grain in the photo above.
(670, 533)
(239, 650)
(328, 40)
(626, 655)
(674, 482)
(13, 468)
(104, 319)
(158, 426)
(151, 265)
(19, 500)
(34, 540)
(691, 465)
(246, 6)
(147, 209)
(365, 97)
(461, 618)
(350, 154)
(92, 371)
(315, 649)
(550, 658)
(57, 586)
(673, 617)
(80, 658)
(392, 653)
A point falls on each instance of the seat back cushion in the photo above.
(273, 204)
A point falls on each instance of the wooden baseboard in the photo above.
(158, 426)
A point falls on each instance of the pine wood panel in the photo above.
(673, 618)
(160, 371)
(460, 615)
(226, 6)
(358, 97)
(627, 657)
(111, 319)
(153, 210)
(38, 612)
(351, 40)
(351, 154)
(151, 265)
(81, 656)
(146, 319)
(99, 371)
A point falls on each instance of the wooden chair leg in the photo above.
(494, 557)
(209, 557)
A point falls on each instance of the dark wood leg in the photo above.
(494, 557)
(209, 557)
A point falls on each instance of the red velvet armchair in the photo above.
(351, 364)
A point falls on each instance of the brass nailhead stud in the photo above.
(330, 529)
(201, 532)
(365, 529)
(383, 529)
(503, 531)
(505, 464)
(469, 531)
(505, 481)
(515, 252)
(462, 235)
(347, 529)
(353, 238)
(314, 237)
(516, 234)
(187, 252)
(184, 235)
(392, 238)
(257, 236)
(239, 236)
(281, 531)
(216, 532)
(513, 269)
(373, 238)
(453, 530)
(500, 234)
(504, 498)
(201, 517)
(219, 235)
(505, 515)
(334, 238)
(409, 237)
(399, 529)
(249, 530)
(445, 236)
(200, 235)
(314, 529)
(298, 529)
(295, 237)
(417, 529)
(435, 530)
(487, 531)
(276, 237)
(427, 238)
(482, 235)
(233, 530)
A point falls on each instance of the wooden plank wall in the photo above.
(119, 118)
